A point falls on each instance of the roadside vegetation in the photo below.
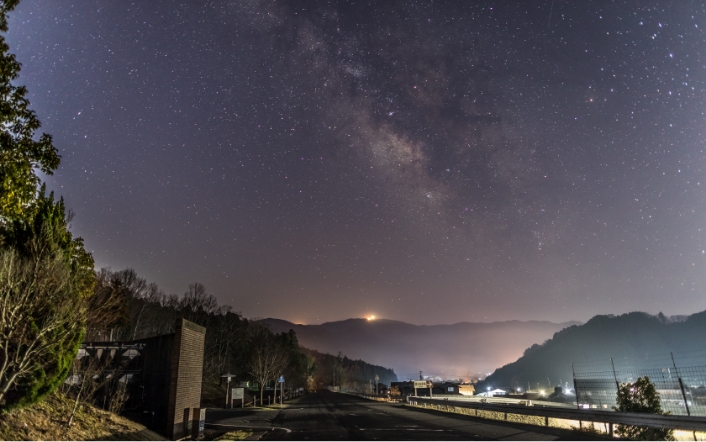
(45, 273)
(641, 396)
(353, 375)
(47, 420)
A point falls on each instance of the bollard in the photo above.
(186, 423)
(199, 422)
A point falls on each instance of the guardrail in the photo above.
(501, 400)
(392, 400)
(502, 412)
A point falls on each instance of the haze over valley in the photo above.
(464, 350)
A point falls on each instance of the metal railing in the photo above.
(682, 390)
(380, 398)
(542, 415)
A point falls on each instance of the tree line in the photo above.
(353, 375)
(125, 307)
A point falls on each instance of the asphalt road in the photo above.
(332, 416)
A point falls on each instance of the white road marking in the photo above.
(250, 426)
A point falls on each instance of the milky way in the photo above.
(431, 162)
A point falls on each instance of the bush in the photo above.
(641, 397)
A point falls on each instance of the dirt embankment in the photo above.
(48, 421)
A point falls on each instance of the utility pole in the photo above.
(615, 377)
(681, 385)
(576, 390)
(420, 375)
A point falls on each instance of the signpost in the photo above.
(281, 390)
(423, 384)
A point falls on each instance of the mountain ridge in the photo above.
(448, 351)
(630, 340)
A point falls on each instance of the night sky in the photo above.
(426, 161)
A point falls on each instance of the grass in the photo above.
(212, 394)
(235, 435)
(48, 420)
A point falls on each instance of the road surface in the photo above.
(333, 416)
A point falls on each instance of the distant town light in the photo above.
(371, 318)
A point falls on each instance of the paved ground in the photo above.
(333, 416)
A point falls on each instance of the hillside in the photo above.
(447, 351)
(47, 421)
(349, 373)
(632, 340)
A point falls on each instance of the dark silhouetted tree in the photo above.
(20, 154)
(641, 396)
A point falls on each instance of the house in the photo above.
(466, 389)
(446, 389)
(492, 393)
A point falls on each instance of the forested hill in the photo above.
(352, 374)
(633, 340)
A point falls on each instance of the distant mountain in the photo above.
(447, 351)
(633, 340)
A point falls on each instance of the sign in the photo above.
(281, 379)
(423, 384)
(237, 393)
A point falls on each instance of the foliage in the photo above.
(235, 345)
(641, 397)
(20, 154)
(45, 273)
(109, 304)
(46, 230)
(235, 435)
(127, 307)
(42, 316)
(351, 375)
(269, 358)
